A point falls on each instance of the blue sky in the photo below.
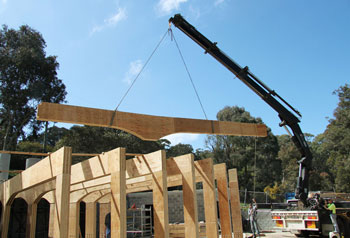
(298, 48)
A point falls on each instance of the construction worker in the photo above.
(108, 225)
(252, 211)
(333, 215)
(255, 205)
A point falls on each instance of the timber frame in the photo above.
(108, 177)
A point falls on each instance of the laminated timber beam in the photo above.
(146, 127)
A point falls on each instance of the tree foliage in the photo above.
(27, 77)
(321, 177)
(247, 153)
(179, 149)
(87, 139)
(289, 155)
(335, 144)
(273, 191)
(31, 146)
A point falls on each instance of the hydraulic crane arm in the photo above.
(269, 96)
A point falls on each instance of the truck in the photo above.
(315, 219)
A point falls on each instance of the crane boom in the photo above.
(269, 96)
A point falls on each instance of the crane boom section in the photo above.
(287, 117)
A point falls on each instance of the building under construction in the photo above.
(103, 182)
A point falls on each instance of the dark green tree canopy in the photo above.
(321, 177)
(88, 139)
(247, 153)
(289, 155)
(336, 141)
(179, 149)
(27, 77)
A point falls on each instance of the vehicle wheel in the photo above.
(342, 228)
(346, 224)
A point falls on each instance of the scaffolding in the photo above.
(139, 222)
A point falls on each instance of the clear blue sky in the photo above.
(299, 48)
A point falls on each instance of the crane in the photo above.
(289, 117)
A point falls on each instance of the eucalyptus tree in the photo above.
(255, 158)
(336, 141)
(27, 77)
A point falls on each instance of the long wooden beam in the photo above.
(146, 127)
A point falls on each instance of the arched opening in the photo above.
(103, 209)
(18, 219)
(82, 218)
(42, 219)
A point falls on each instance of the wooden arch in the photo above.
(109, 176)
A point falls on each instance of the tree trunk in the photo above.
(4, 146)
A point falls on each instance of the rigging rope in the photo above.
(133, 82)
(169, 31)
(254, 164)
(188, 72)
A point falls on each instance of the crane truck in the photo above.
(308, 221)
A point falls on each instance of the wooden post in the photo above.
(61, 223)
(224, 206)
(235, 204)
(117, 167)
(31, 220)
(205, 169)
(51, 220)
(160, 198)
(90, 220)
(186, 165)
(104, 210)
(5, 220)
(74, 213)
